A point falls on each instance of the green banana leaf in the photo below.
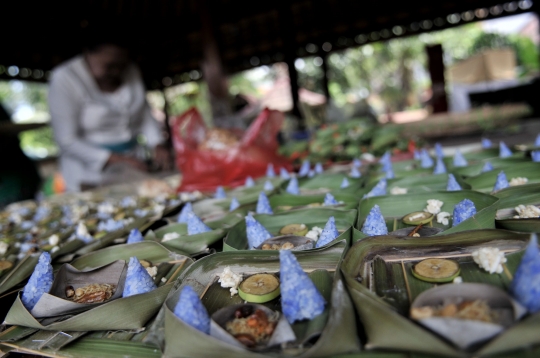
(280, 202)
(497, 163)
(426, 183)
(382, 296)
(236, 238)
(338, 331)
(109, 238)
(169, 264)
(190, 244)
(115, 315)
(394, 207)
(145, 250)
(484, 182)
(330, 182)
(91, 348)
(528, 194)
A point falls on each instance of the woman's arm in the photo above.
(65, 104)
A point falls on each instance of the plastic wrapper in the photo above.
(206, 168)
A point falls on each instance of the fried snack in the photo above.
(251, 328)
(93, 293)
(285, 246)
(477, 310)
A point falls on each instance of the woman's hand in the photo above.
(118, 158)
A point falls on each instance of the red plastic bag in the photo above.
(206, 169)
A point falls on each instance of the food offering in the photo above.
(466, 314)
(68, 300)
(475, 293)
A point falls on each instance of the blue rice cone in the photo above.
(389, 174)
(537, 141)
(438, 150)
(304, 169)
(329, 233)
(135, 236)
(386, 158)
(425, 159)
(300, 298)
(486, 143)
(292, 187)
(220, 193)
(311, 173)
(270, 173)
(191, 310)
(344, 183)
(487, 167)
(452, 184)
(355, 173)
(459, 160)
(256, 233)
(357, 163)
(501, 182)
(525, 286)
(504, 151)
(319, 168)
(268, 186)
(462, 211)
(263, 205)
(378, 190)
(137, 279)
(249, 182)
(39, 283)
(284, 174)
(234, 204)
(417, 155)
(375, 224)
(195, 225)
(329, 200)
(535, 155)
(183, 217)
(440, 168)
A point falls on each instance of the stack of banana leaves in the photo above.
(436, 256)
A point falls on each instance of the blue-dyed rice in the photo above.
(40, 282)
(374, 224)
(463, 210)
(195, 225)
(452, 184)
(191, 310)
(137, 279)
(300, 298)
(329, 233)
(256, 233)
(263, 205)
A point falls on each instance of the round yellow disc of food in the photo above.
(417, 218)
(436, 270)
(294, 229)
(259, 288)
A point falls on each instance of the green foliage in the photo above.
(38, 142)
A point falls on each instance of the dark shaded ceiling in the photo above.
(169, 39)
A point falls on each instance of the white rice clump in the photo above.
(229, 279)
(434, 206)
(170, 236)
(490, 259)
(526, 212)
(518, 181)
(398, 191)
(314, 233)
(442, 217)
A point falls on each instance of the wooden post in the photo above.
(211, 65)
(288, 33)
(436, 72)
(324, 67)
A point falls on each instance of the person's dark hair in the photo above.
(107, 33)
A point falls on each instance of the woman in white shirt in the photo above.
(98, 108)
